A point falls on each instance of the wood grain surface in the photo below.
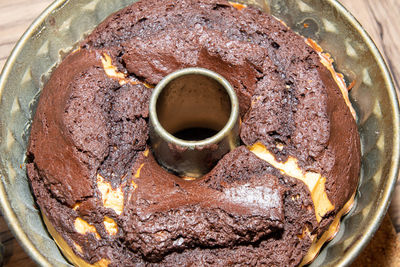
(381, 19)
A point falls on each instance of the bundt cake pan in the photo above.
(65, 22)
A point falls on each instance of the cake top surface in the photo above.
(264, 203)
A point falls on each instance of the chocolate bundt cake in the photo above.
(274, 200)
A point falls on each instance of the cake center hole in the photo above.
(195, 134)
(193, 107)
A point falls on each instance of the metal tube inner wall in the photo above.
(194, 121)
(194, 104)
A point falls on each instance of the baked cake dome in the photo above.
(106, 200)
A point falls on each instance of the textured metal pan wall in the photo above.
(64, 23)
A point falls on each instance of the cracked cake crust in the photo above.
(89, 159)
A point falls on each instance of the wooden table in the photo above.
(381, 20)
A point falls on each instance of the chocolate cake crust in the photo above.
(89, 148)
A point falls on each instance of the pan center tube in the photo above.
(193, 121)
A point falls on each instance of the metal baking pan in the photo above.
(65, 22)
